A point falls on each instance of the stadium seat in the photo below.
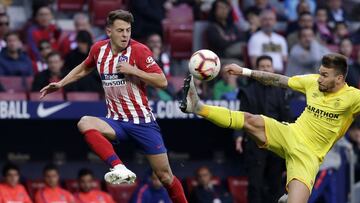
(29, 82)
(181, 14)
(121, 193)
(7, 96)
(199, 35)
(13, 83)
(82, 96)
(238, 188)
(99, 10)
(55, 96)
(180, 40)
(191, 182)
(70, 5)
(73, 186)
(34, 185)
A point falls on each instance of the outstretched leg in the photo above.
(298, 192)
(97, 134)
(223, 117)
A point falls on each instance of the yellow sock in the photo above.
(223, 117)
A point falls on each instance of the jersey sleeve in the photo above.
(90, 60)
(356, 103)
(146, 62)
(38, 198)
(301, 82)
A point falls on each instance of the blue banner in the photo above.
(75, 110)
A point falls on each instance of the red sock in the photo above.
(176, 191)
(102, 147)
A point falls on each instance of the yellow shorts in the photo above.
(283, 139)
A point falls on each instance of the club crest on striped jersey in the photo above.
(123, 58)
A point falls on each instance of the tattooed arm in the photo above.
(266, 78)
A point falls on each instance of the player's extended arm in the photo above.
(75, 74)
(261, 76)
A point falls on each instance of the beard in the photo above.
(327, 88)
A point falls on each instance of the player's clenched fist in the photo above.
(234, 69)
(52, 87)
(126, 68)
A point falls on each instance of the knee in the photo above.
(164, 176)
(250, 119)
(84, 124)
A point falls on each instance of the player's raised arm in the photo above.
(75, 74)
(266, 78)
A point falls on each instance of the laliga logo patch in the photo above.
(123, 58)
(149, 59)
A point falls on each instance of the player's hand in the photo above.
(126, 68)
(52, 87)
(233, 69)
(238, 144)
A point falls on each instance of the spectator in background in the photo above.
(52, 192)
(226, 87)
(305, 21)
(341, 32)
(69, 42)
(252, 16)
(302, 7)
(148, 15)
(322, 25)
(91, 82)
(162, 58)
(206, 191)
(4, 29)
(264, 168)
(306, 55)
(52, 74)
(11, 190)
(151, 192)
(336, 12)
(87, 193)
(222, 34)
(353, 76)
(267, 42)
(154, 42)
(13, 60)
(354, 137)
(42, 29)
(346, 49)
(294, 7)
(45, 49)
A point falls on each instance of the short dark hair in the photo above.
(85, 172)
(11, 33)
(335, 61)
(263, 57)
(51, 54)
(119, 15)
(50, 167)
(9, 166)
(304, 13)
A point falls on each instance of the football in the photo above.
(204, 65)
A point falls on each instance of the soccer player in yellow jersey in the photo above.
(331, 107)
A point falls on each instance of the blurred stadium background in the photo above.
(36, 132)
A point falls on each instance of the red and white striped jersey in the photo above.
(125, 95)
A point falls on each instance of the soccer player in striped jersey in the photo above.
(125, 67)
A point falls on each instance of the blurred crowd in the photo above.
(295, 33)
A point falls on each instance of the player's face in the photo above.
(266, 65)
(51, 178)
(86, 183)
(12, 177)
(328, 79)
(119, 33)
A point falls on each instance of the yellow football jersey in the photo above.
(327, 116)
